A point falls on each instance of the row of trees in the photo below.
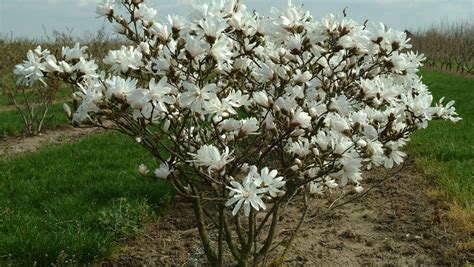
(447, 45)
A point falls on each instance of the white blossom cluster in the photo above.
(251, 106)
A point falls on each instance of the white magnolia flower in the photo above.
(294, 42)
(30, 71)
(124, 59)
(247, 194)
(106, 7)
(159, 94)
(120, 88)
(261, 98)
(393, 155)
(90, 96)
(138, 98)
(230, 125)
(194, 47)
(222, 51)
(209, 156)
(302, 119)
(87, 67)
(302, 77)
(213, 26)
(50, 64)
(77, 52)
(330, 183)
(300, 147)
(177, 22)
(196, 98)
(249, 126)
(268, 182)
(144, 48)
(161, 31)
(316, 188)
(163, 171)
(145, 13)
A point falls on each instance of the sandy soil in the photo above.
(13, 146)
(395, 224)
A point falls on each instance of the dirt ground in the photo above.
(13, 146)
(395, 224)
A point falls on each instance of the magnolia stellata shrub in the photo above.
(246, 113)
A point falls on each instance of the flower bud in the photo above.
(316, 152)
(261, 98)
(362, 143)
(298, 162)
(144, 48)
(229, 179)
(143, 170)
(166, 126)
(67, 110)
(276, 108)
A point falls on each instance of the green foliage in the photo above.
(446, 150)
(69, 203)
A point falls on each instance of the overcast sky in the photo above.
(28, 18)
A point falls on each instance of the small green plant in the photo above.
(31, 103)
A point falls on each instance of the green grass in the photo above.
(4, 100)
(446, 150)
(69, 203)
(11, 123)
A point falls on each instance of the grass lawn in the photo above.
(446, 150)
(11, 123)
(69, 203)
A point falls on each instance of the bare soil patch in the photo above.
(395, 224)
(14, 146)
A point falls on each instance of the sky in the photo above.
(37, 18)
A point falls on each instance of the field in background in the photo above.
(447, 45)
(445, 150)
